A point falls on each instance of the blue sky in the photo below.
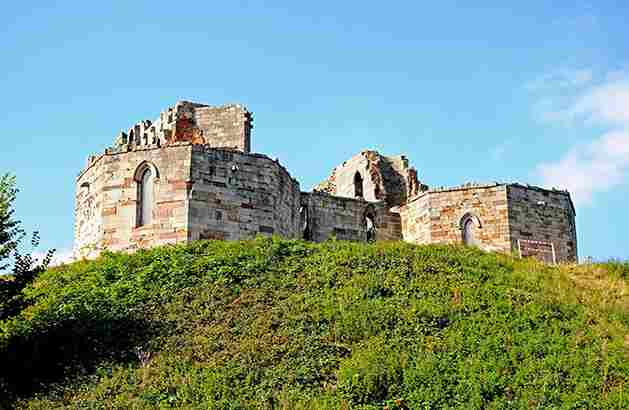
(500, 91)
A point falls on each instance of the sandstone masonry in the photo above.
(190, 175)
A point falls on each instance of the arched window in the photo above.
(469, 229)
(358, 186)
(145, 176)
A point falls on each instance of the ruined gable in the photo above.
(374, 177)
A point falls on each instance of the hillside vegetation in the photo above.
(278, 324)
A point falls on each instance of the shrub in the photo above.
(279, 324)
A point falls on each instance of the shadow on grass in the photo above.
(69, 350)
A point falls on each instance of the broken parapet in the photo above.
(227, 126)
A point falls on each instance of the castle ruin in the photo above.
(190, 175)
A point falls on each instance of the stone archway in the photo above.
(470, 225)
(369, 224)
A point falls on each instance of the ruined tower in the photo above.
(187, 175)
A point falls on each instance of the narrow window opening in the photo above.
(305, 226)
(369, 224)
(358, 186)
(145, 214)
(371, 229)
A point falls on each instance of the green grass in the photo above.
(277, 324)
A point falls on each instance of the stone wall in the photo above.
(400, 180)
(225, 127)
(325, 216)
(88, 219)
(238, 196)
(208, 185)
(200, 193)
(107, 201)
(525, 220)
(436, 216)
(538, 217)
(415, 220)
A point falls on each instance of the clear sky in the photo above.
(535, 91)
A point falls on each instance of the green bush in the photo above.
(617, 268)
(279, 324)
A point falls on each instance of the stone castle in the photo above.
(190, 175)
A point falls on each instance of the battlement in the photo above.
(227, 126)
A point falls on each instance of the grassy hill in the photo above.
(276, 324)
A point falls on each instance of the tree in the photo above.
(24, 267)
(10, 231)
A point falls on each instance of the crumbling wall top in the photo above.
(227, 126)
(477, 186)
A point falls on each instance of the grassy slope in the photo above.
(288, 324)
